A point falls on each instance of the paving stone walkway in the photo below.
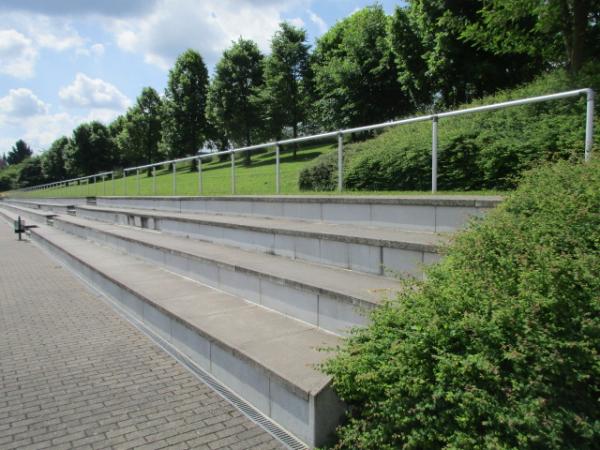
(74, 374)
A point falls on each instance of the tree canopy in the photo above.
(356, 80)
(184, 125)
(233, 100)
(287, 80)
(19, 153)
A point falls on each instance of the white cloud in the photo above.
(21, 103)
(208, 26)
(17, 54)
(318, 21)
(97, 49)
(86, 92)
(297, 22)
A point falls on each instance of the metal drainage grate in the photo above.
(248, 410)
(275, 430)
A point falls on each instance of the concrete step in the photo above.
(265, 357)
(331, 298)
(42, 205)
(427, 213)
(36, 215)
(375, 250)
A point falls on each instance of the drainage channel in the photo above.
(271, 427)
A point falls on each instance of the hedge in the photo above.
(498, 347)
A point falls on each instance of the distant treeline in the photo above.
(367, 68)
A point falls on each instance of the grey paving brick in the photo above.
(74, 374)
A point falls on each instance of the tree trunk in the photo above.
(574, 26)
(580, 13)
(295, 128)
(247, 160)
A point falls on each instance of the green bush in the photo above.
(498, 347)
(9, 176)
(476, 151)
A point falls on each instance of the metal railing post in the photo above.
(340, 184)
(199, 176)
(434, 149)
(76, 184)
(232, 173)
(103, 185)
(277, 169)
(174, 178)
(137, 176)
(95, 187)
(589, 125)
(154, 180)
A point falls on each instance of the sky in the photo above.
(64, 62)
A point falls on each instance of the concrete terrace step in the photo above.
(42, 205)
(422, 213)
(331, 298)
(357, 247)
(263, 356)
(37, 215)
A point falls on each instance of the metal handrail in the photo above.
(434, 118)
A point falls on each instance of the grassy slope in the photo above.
(259, 178)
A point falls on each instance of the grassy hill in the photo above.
(476, 151)
(484, 152)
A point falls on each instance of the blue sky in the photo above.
(63, 62)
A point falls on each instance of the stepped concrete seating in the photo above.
(250, 291)
(34, 214)
(380, 251)
(263, 356)
(62, 207)
(421, 213)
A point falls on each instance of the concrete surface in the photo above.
(73, 374)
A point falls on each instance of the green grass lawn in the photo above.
(256, 179)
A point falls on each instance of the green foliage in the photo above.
(90, 150)
(356, 80)
(53, 160)
(561, 32)
(476, 151)
(498, 347)
(436, 64)
(8, 177)
(140, 130)
(286, 92)
(19, 153)
(31, 172)
(184, 125)
(233, 99)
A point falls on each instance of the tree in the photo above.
(356, 80)
(53, 160)
(3, 162)
(140, 130)
(287, 77)
(559, 31)
(184, 123)
(31, 173)
(90, 150)
(19, 152)
(436, 62)
(233, 99)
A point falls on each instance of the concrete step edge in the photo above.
(355, 300)
(43, 234)
(402, 243)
